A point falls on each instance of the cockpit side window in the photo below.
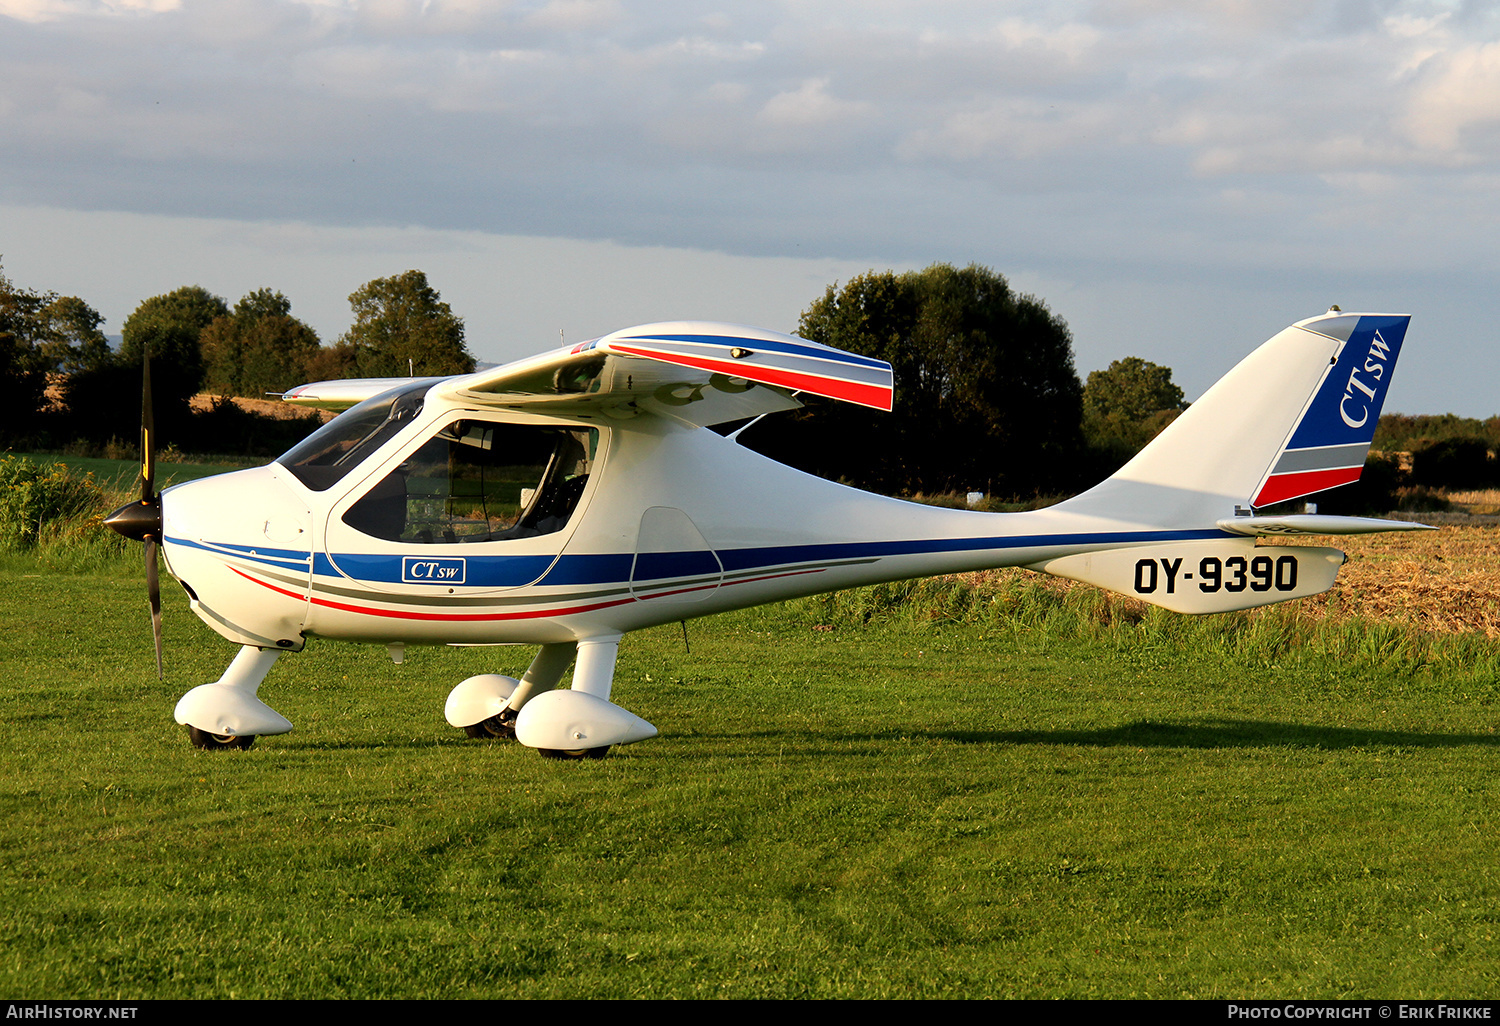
(477, 481)
(323, 458)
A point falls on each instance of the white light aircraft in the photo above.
(564, 500)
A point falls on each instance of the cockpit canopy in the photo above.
(322, 459)
(473, 480)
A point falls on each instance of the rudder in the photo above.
(1328, 446)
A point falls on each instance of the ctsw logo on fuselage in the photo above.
(426, 570)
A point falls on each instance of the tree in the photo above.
(168, 326)
(190, 309)
(1124, 407)
(70, 339)
(401, 325)
(1460, 463)
(262, 303)
(1131, 389)
(23, 369)
(986, 394)
(42, 332)
(23, 382)
(333, 362)
(258, 348)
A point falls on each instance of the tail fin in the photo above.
(1295, 417)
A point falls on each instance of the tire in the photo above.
(494, 728)
(218, 742)
(574, 756)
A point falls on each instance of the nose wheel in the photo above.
(233, 715)
(218, 742)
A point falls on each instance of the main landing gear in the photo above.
(578, 723)
(501, 727)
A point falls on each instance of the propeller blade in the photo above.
(153, 595)
(141, 520)
(148, 431)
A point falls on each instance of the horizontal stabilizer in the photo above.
(1204, 576)
(1308, 523)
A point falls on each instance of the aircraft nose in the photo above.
(137, 520)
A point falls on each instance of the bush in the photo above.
(1375, 492)
(1421, 499)
(32, 496)
(1462, 462)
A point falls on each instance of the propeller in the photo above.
(141, 521)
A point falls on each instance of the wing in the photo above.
(698, 371)
(346, 392)
(701, 372)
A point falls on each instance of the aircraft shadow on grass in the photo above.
(1227, 733)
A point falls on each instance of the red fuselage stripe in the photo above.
(526, 615)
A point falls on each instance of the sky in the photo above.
(1177, 179)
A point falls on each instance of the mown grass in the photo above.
(921, 791)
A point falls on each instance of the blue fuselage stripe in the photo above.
(616, 568)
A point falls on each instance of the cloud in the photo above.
(577, 15)
(809, 106)
(1275, 155)
(1014, 128)
(751, 128)
(54, 10)
(1455, 108)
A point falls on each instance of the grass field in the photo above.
(999, 789)
(121, 474)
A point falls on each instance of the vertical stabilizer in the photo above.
(1293, 418)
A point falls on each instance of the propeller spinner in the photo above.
(141, 520)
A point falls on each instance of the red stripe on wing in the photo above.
(876, 396)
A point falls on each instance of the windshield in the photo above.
(322, 458)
